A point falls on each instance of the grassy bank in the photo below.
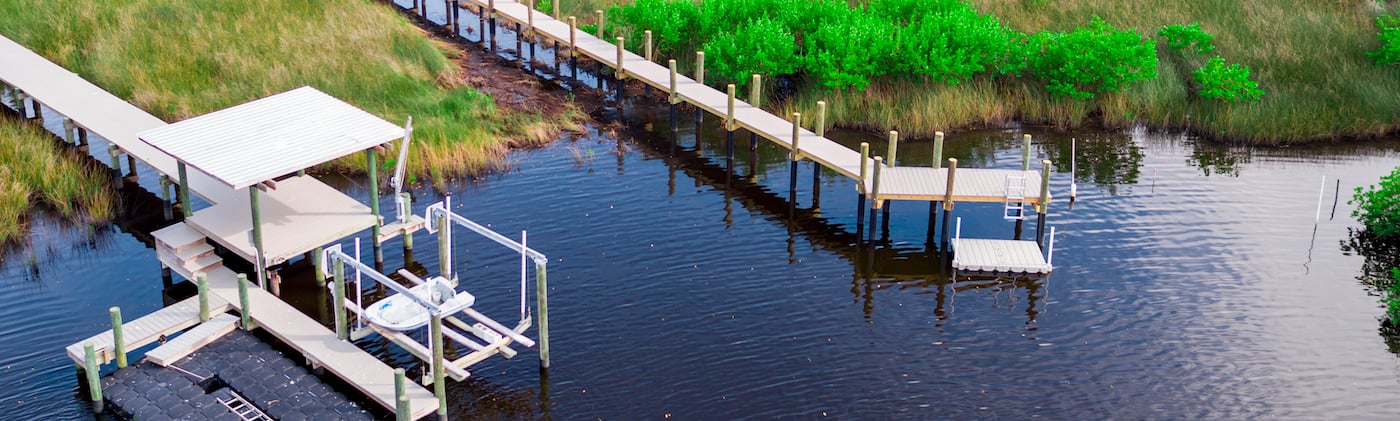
(1309, 57)
(34, 172)
(182, 58)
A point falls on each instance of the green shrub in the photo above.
(1389, 27)
(1226, 82)
(1391, 297)
(764, 46)
(1378, 206)
(947, 41)
(1182, 36)
(1091, 60)
(670, 23)
(851, 50)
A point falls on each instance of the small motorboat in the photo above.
(399, 312)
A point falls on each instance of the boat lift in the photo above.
(434, 300)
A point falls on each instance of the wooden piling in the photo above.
(599, 19)
(444, 246)
(1026, 152)
(201, 282)
(403, 409)
(864, 166)
(573, 39)
(729, 121)
(948, 200)
(796, 135)
(407, 236)
(115, 153)
(555, 3)
(894, 147)
(90, 370)
(118, 341)
(646, 52)
(261, 271)
(67, 130)
(937, 149)
(620, 73)
(439, 383)
(675, 97)
(82, 136)
(875, 201)
(821, 118)
(700, 67)
(530, 19)
(184, 190)
(542, 302)
(166, 207)
(338, 300)
(372, 168)
(245, 312)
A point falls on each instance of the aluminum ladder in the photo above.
(243, 409)
(1015, 198)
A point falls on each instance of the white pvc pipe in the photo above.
(1317, 216)
(359, 289)
(1050, 252)
(523, 257)
(957, 233)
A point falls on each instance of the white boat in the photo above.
(400, 312)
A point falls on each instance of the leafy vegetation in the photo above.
(35, 172)
(1226, 82)
(765, 47)
(1378, 206)
(1390, 297)
(1182, 36)
(1389, 27)
(1091, 60)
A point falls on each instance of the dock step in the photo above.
(1015, 197)
(175, 349)
(185, 250)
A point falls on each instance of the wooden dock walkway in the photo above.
(897, 183)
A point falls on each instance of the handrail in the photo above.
(437, 210)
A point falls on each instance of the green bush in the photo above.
(1226, 82)
(947, 41)
(1391, 297)
(1182, 36)
(1091, 60)
(670, 23)
(1389, 27)
(851, 50)
(764, 46)
(1378, 206)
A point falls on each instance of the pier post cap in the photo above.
(114, 309)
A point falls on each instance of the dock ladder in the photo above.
(243, 409)
(1015, 197)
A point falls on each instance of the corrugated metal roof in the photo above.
(260, 140)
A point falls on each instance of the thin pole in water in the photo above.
(1073, 169)
(1320, 190)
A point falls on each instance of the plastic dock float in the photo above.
(998, 256)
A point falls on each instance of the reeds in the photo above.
(35, 172)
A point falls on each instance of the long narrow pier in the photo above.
(897, 183)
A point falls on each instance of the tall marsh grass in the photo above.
(182, 58)
(35, 172)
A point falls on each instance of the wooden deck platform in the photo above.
(98, 111)
(300, 215)
(896, 183)
(998, 256)
(147, 329)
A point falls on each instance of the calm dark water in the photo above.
(1190, 283)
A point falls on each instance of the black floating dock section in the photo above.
(238, 364)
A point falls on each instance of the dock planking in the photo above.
(998, 256)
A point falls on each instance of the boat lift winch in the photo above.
(435, 299)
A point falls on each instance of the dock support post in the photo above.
(338, 300)
(729, 126)
(456, 13)
(948, 200)
(821, 118)
(90, 370)
(82, 136)
(542, 301)
(937, 149)
(796, 155)
(318, 261)
(373, 168)
(1026, 152)
(115, 153)
(755, 99)
(201, 282)
(439, 386)
(620, 73)
(1043, 206)
(131, 165)
(17, 99)
(166, 207)
(673, 99)
(245, 313)
(68, 131)
(875, 198)
(184, 191)
(699, 78)
(894, 147)
(118, 341)
(407, 236)
(598, 15)
(860, 186)
(573, 45)
(403, 409)
(816, 185)
(256, 207)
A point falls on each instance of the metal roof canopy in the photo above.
(267, 138)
